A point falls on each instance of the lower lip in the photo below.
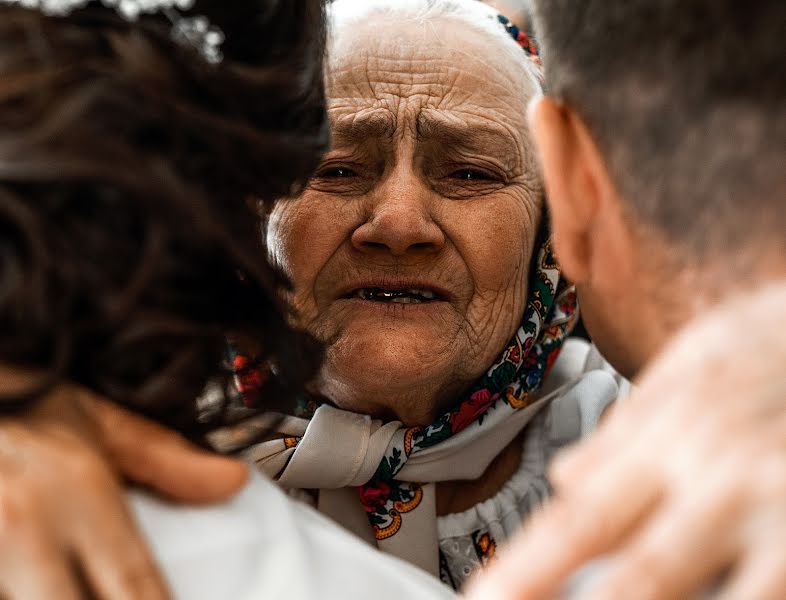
(395, 308)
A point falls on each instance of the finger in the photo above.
(152, 455)
(39, 572)
(32, 564)
(568, 533)
(759, 577)
(638, 414)
(113, 556)
(571, 467)
(685, 546)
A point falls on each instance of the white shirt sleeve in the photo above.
(262, 544)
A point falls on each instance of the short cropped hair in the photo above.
(687, 101)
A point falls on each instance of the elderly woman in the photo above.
(419, 254)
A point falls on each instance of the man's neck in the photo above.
(704, 289)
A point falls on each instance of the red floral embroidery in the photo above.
(551, 360)
(470, 410)
(525, 42)
(567, 304)
(374, 498)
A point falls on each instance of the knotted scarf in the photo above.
(389, 469)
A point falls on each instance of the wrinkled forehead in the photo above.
(444, 67)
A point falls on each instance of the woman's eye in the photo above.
(337, 173)
(471, 175)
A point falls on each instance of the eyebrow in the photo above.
(434, 125)
(359, 127)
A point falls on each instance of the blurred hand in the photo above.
(683, 489)
(65, 531)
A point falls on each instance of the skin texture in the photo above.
(431, 182)
(89, 525)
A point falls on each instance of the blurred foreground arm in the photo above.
(64, 525)
(684, 487)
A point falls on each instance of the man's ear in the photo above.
(578, 187)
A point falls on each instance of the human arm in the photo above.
(64, 525)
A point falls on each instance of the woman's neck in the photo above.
(458, 496)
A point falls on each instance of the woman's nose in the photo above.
(400, 223)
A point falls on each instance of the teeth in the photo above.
(409, 296)
(405, 300)
(427, 294)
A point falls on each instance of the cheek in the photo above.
(495, 238)
(302, 235)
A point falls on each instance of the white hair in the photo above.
(473, 13)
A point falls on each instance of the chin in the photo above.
(389, 375)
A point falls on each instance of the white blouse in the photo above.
(469, 539)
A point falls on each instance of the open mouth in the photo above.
(402, 296)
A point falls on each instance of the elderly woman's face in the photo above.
(409, 251)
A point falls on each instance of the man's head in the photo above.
(662, 141)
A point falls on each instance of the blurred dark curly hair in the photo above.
(129, 241)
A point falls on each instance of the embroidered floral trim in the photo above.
(386, 520)
(521, 37)
(485, 546)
